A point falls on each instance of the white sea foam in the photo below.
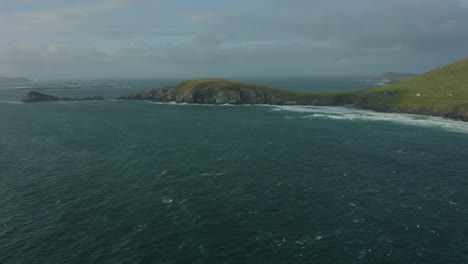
(381, 83)
(167, 200)
(341, 113)
(207, 105)
(10, 102)
(20, 87)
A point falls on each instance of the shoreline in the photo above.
(380, 109)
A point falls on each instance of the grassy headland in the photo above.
(442, 92)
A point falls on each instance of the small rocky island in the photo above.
(34, 97)
(221, 91)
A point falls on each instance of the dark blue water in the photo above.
(140, 182)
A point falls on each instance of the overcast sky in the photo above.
(59, 39)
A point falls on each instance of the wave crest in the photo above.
(341, 113)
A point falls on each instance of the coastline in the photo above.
(414, 110)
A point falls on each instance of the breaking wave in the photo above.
(341, 113)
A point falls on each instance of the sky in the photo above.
(62, 39)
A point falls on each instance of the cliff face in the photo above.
(33, 97)
(238, 95)
(229, 92)
(209, 95)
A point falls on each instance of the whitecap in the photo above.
(351, 114)
(207, 105)
(381, 83)
(10, 102)
(167, 200)
(20, 87)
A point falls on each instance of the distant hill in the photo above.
(13, 80)
(394, 77)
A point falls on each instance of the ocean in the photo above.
(142, 182)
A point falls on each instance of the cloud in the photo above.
(63, 20)
(128, 37)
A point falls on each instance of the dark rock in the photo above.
(92, 98)
(33, 97)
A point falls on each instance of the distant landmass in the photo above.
(394, 77)
(68, 87)
(13, 80)
(218, 91)
(442, 92)
(33, 97)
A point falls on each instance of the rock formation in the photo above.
(33, 97)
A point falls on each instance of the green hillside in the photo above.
(191, 86)
(445, 89)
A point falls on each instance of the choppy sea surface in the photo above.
(140, 182)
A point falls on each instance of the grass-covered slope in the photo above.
(444, 89)
(194, 86)
(222, 91)
(394, 77)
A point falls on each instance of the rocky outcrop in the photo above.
(33, 97)
(38, 97)
(243, 95)
(210, 95)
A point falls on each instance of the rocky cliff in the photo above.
(210, 95)
(33, 97)
(220, 91)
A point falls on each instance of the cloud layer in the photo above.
(102, 39)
